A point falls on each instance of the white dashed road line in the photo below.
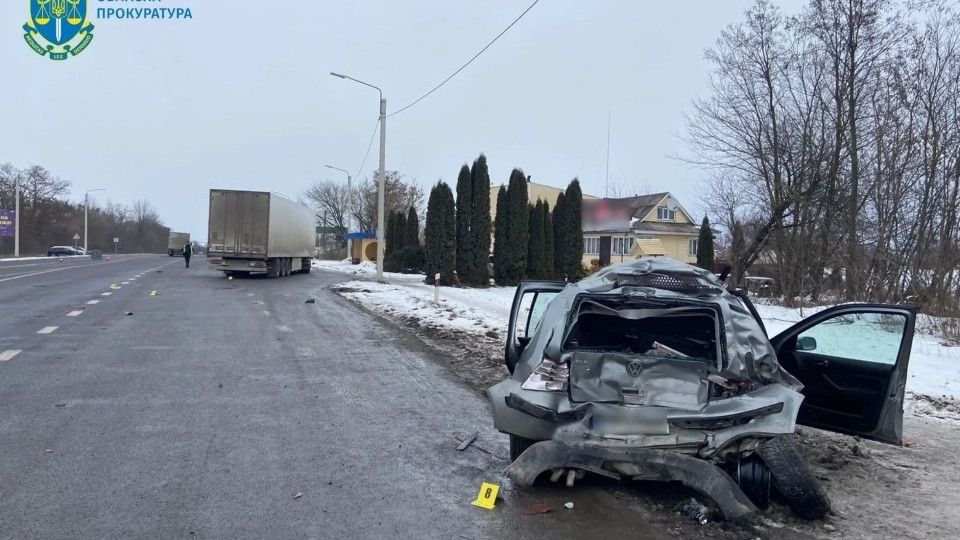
(92, 302)
(48, 330)
(124, 282)
(106, 294)
(74, 313)
(283, 328)
(8, 355)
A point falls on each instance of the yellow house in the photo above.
(618, 230)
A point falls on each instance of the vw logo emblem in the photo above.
(634, 369)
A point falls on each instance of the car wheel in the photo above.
(519, 445)
(793, 478)
(753, 477)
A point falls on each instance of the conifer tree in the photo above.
(499, 235)
(464, 241)
(535, 253)
(559, 222)
(440, 235)
(548, 243)
(517, 229)
(480, 223)
(705, 256)
(573, 231)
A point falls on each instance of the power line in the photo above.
(435, 88)
(369, 146)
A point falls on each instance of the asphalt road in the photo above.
(205, 410)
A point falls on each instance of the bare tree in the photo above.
(329, 202)
(620, 189)
(399, 195)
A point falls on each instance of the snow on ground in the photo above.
(933, 375)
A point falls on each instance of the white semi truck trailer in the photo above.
(253, 232)
(175, 243)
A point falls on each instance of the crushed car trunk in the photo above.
(641, 353)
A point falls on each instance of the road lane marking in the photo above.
(6, 356)
(31, 274)
(106, 294)
(124, 282)
(92, 302)
(283, 328)
(266, 312)
(47, 330)
(74, 313)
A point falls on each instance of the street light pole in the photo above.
(349, 209)
(16, 219)
(86, 203)
(382, 176)
(382, 187)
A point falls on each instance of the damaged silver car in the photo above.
(653, 370)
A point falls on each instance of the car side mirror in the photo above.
(806, 343)
(523, 341)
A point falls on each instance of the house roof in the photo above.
(600, 210)
(666, 228)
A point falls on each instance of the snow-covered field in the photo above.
(934, 372)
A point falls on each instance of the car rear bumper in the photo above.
(643, 464)
(542, 416)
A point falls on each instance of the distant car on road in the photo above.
(58, 251)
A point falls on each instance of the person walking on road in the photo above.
(187, 252)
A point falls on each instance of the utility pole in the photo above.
(382, 183)
(383, 180)
(16, 219)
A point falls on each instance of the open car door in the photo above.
(529, 303)
(852, 361)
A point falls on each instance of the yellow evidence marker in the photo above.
(487, 496)
(113, 286)
(153, 293)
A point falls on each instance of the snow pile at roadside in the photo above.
(933, 383)
(17, 259)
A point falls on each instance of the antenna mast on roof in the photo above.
(606, 188)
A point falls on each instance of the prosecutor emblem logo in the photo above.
(58, 27)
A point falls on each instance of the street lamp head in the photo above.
(338, 75)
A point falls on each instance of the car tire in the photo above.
(793, 478)
(519, 445)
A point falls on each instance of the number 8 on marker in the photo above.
(487, 496)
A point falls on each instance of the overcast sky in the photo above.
(241, 97)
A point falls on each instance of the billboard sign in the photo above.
(7, 227)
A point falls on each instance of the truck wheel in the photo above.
(793, 478)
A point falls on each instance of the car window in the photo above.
(870, 337)
(532, 307)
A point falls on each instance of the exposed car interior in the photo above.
(646, 329)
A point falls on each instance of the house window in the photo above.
(591, 246)
(693, 246)
(666, 214)
(621, 246)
